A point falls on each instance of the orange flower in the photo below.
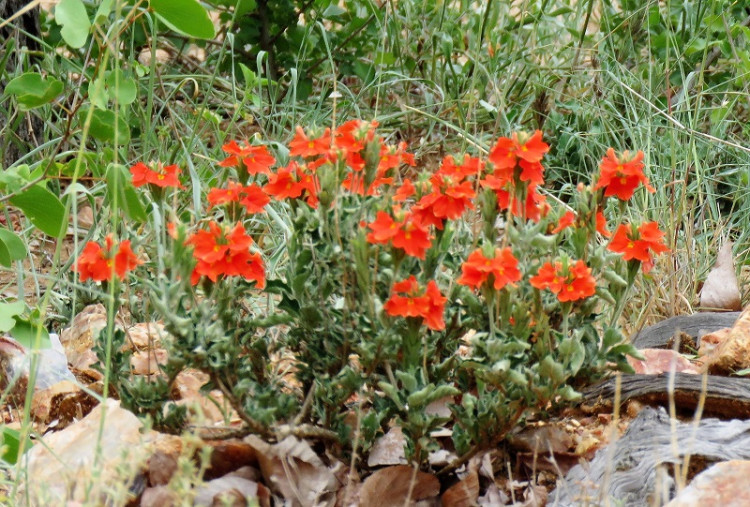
(284, 183)
(251, 197)
(161, 177)
(471, 166)
(638, 244)
(223, 252)
(507, 152)
(620, 176)
(569, 284)
(303, 146)
(257, 159)
(394, 156)
(478, 268)
(449, 198)
(428, 304)
(566, 221)
(100, 264)
(384, 228)
(353, 135)
(601, 224)
(408, 235)
(413, 238)
(405, 191)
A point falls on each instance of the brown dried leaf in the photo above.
(391, 486)
(720, 290)
(464, 493)
(293, 470)
(388, 449)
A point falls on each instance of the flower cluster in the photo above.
(569, 282)
(502, 267)
(409, 300)
(638, 243)
(160, 176)
(102, 264)
(224, 251)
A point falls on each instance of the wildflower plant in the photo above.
(394, 289)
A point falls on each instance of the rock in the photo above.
(733, 353)
(229, 455)
(159, 496)
(66, 466)
(64, 402)
(162, 464)
(15, 364)
(722, 485)
(660, 361)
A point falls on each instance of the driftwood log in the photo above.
(724, 396)
(639, 468)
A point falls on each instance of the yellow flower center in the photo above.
(310, 144)
(160, 177)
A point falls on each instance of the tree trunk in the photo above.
(19, 131)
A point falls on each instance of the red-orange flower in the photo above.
(449, 199)
(409, 235)
(284, 183)
(100, 264)
(471, 166)
(571, 284)
(251, 197)
(477, 269)
(428, 304)
(638, 244)
(256, 159)
(413, 238)
(507, 152)
(224, 252)
(621, 176)
(303, 146)
(161, 176)
(601, 224)
(565, 221)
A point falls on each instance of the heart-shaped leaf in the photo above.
(72, 17)
(185, 16)
(32, 90)
(43, 208)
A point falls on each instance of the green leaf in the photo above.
(14, 178)
(32, 90)
(72, 17)
(12, 248)
(25, 333)
(120, 188)
(11, 442)
(121, 89)
(185, 16)
(102, 13)
(43, 208)
(333, 11)
(107, 126)
(7, 313)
